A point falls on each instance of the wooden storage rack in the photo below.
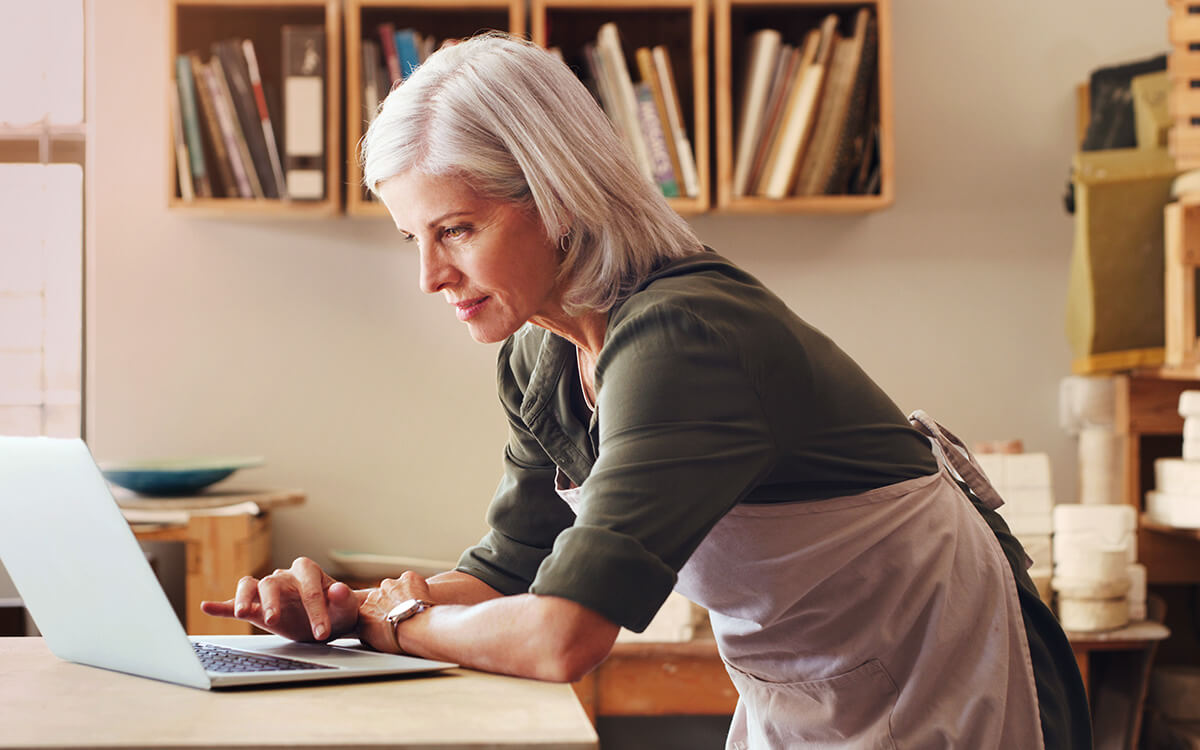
(680, 25)
(1147, 417)
(445, 19)
(196, 24)
(733, 22)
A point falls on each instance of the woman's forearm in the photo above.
(456, 587)
(543, 637)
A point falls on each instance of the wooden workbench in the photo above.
(46, 702)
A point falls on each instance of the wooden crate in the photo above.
(1183, 69)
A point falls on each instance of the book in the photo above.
(650, 78)
(231, 130)
(816, 168)
(683, 145)
(786, 74)
(765, 45)
(801, 112)
(191, 125)
(656, 141)
(183, 167)
(304, 111)
(372, 92)
(408, 51)
(264, 115)
(608, 45)
(808, 55)
(245, 105)
(223, 183)
(862, 117)
(387, 42)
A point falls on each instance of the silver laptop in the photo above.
(91, 592)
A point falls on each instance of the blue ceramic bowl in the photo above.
(173, 477)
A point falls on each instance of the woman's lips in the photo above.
(468, 309)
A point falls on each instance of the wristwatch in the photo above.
(402, 612)
(406, 609)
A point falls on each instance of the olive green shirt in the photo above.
(709, 392)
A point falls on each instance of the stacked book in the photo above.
(389, 60)
(1175, 500)
(647, 113)
(229, 143)
(1098, 583)
(1023, 480)
(808, 123)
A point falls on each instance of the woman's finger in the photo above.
(311, 583)
(245, 596)
(271, 591)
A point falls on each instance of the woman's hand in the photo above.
(373, 628)
(301, 603)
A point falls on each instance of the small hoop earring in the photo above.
(564, 242)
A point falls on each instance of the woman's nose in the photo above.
(436, 272)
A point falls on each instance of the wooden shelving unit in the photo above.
(444, 19)
(195, 24)
(680, 25)
(1147, 416)
(733, 23)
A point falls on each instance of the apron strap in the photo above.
(959, 458)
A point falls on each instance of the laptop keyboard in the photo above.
(224, 659)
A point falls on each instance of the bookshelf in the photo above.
(443, 19)
(195, 25)
(709, 71)
(681, 26)
(733, 23)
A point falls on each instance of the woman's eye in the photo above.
(408, 237)
(454, 232)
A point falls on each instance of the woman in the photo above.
(674, 426)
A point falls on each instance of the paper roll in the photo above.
(1089, 615)
(1109, 522)
(1101, 462)
(1086, 401)
(1189, 404)
(1181, 511)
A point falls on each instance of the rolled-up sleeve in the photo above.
(526, 514)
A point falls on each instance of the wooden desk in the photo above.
(224, 539)
(659, 679)
(46, 702)
(1135, 636)
(662, 679)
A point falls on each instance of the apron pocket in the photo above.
(850, 710)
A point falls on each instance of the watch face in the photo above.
(405, 610)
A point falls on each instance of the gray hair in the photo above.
(517, 125)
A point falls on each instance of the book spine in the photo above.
(183, 167)
(608, 42)
(656, 142)
(233, 64)
(370, 80)
(220, 160)
(683, 145)
(764, 50)
(645, 63)
(191, 125)
(227, 122)
(304, 111)
(264, 115)
(407, 51)
(387, 40)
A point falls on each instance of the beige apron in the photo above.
(879, 620)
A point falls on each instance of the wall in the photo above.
(307, 342)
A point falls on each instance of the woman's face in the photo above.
(491, 260)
